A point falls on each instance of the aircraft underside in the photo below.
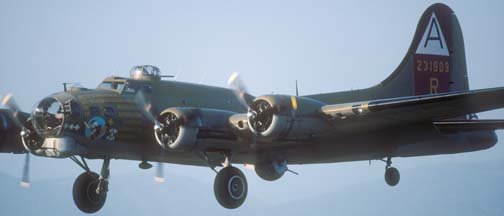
(230, 183)
(417, 141)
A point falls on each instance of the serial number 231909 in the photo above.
(433, 66)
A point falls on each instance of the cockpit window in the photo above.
(132, 87)
(112, 85)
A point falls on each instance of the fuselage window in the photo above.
(75, 108)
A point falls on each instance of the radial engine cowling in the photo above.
(283, 116)
(179, 128)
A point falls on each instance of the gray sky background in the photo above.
(326, 45)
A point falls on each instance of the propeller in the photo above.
(168, 129)
(145, 106)
(240, 90)
(260, 112)
(159, 173)
(25, 178)
(11, 104)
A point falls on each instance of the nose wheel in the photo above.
(392, 175)
(230, 187)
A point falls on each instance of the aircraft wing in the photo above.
(425, 108)
(10, 140)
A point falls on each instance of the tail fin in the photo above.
(435, 61)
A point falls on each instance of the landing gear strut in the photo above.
(90, 189)
(392, 175)
(230, 187)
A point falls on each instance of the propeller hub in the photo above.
(31, 140)
(260, 116)
(167, 129)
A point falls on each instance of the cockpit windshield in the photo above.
(117, 86)
(134, 87)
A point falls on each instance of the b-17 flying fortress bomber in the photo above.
(424, 107)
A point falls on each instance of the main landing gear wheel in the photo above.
(230, 187)
(392, 176)
(85, 194)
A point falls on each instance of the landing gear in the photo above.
(392, 175)
(230, 187)
(90, 189)
(85, 194)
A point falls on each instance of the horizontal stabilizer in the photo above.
(407, 110)
(469, 125)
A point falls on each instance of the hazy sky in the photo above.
(326, 45)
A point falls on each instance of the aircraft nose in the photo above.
(48, 117)
(56, 113)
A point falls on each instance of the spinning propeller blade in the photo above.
(159, 173)
(240, 90)
(145, 106)
(9, 102)
(25, 179)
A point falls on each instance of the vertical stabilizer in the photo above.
(435, 62)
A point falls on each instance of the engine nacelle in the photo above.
(179, 128)
(283, 116)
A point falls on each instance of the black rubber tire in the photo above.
(266, 172)
(230, 187)
(392, 176)
(84, 193)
